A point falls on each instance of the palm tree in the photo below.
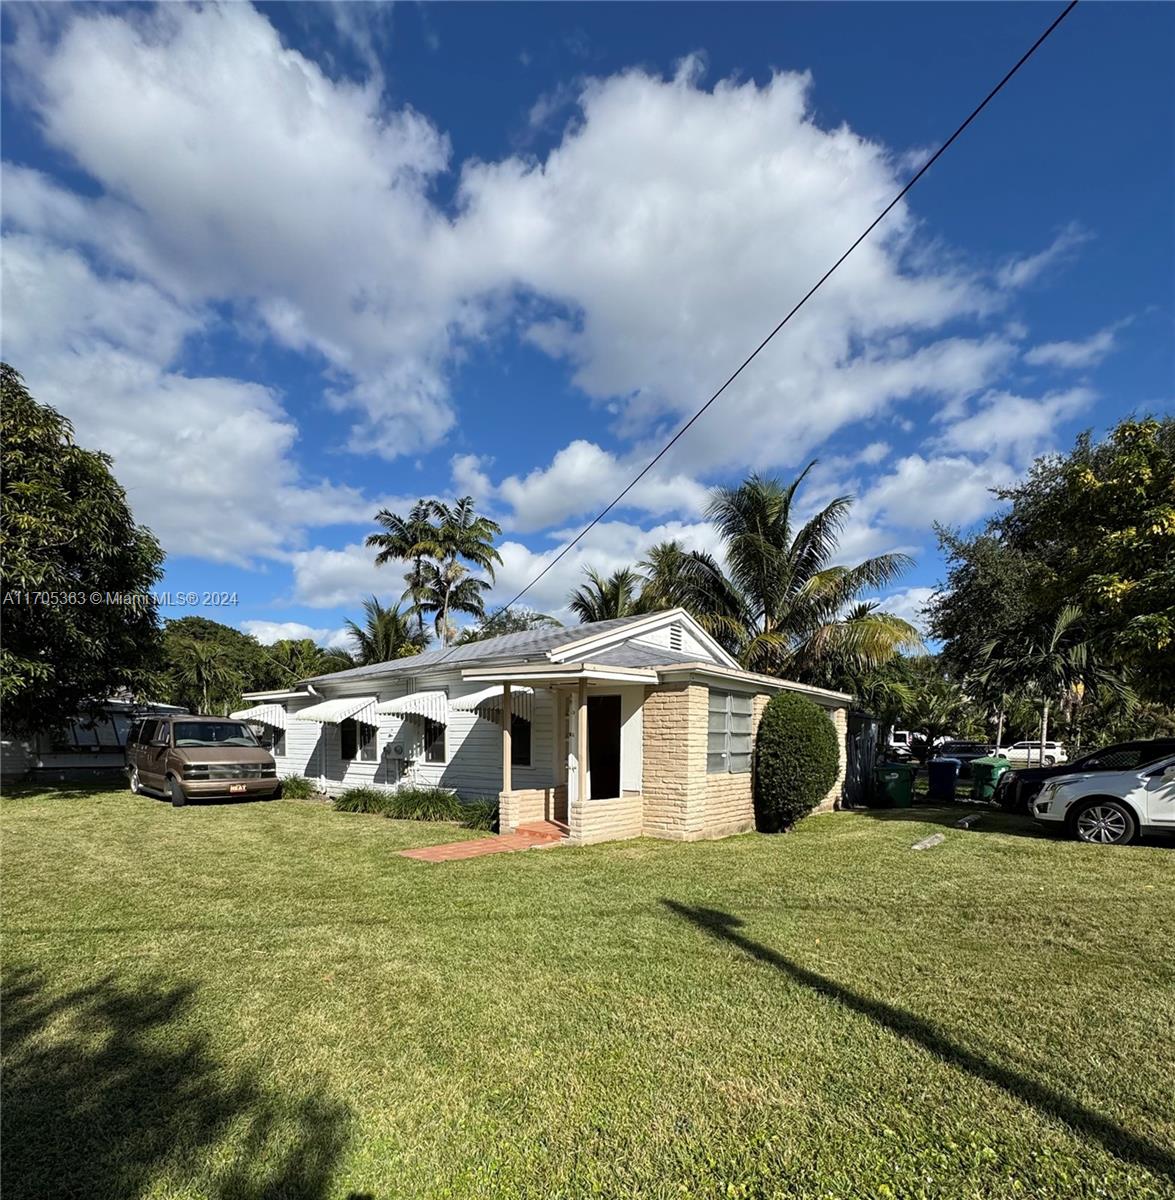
(385, 634)
(201, 671)
(1054, 662)
(781, 606)
(603, 599)
(936, 710)
(462, 537)
(412, 538)
(301, 658)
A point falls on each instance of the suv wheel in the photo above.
(178, 799)
(1105, 823)
(1049, 761)
(135, 786)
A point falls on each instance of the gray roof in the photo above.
(632, 654)
(530, 644)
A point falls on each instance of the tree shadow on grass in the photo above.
(1122, 1143)
(106, 1091)
(943, 812)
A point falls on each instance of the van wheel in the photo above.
(1049, 761)
(178, 799)
(135, 786)
(1105, 822)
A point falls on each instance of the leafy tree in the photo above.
(1056, 663)
(507, 620)
(295, 659)
(1094, 529)
(603, 599)
(200, 671)
(414, 538)
(385, 635)
(206, 665)
(66, 527)
(796, 761)
(782, 606)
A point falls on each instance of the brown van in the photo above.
(188, 758)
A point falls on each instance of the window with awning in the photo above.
(487, 703)
(434, 706)
(263, 714)
(335, 712)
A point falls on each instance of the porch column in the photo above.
(581, 743)
(506, 731)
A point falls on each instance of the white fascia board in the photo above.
(564, 672)
(677, 673)
(654, 621)
(288, 695)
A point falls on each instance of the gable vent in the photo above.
(674, 637)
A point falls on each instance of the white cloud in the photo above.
(268, 632)
(328, 578)
(1074, 356)
(314, 210)
(206, 461)
(951, 489)
(1021, 271)
(1016, 427)
(583, 477)
(908, 603)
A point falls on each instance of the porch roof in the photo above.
(547, 674)
(263, 714)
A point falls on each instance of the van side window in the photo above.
(147, 732)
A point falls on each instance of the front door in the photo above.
(603, 747)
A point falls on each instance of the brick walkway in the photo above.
(536, 835)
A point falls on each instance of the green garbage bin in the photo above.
(893, 784)
(985, 774)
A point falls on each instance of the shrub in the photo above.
(419, 804)
(423, 804)
(298, 787)
(796, 761)
(363, 800)
(481, 813)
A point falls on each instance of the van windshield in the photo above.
(213, 733)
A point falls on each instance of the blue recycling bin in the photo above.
(942, 774)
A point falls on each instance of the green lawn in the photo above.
(264, 1001)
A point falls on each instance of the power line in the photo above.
(804, 300)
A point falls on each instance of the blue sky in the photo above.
(292, 263)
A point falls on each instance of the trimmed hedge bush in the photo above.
(419, 804)
(796, 761)
(298, 787)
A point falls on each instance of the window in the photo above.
(147, 732)
(728, 740)
(434, 741)
(273, 740)
(357, 740)
(519, 741)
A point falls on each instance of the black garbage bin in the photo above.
(942, 775)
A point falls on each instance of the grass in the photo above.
(263, 1001)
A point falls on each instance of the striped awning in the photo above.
(488, 702)
(433, 705)
(263, 714)
(333, 712)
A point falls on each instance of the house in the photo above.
(83, 746)
(637, 726)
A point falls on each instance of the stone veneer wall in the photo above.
(682, 801)
(606, 820)
(840, 718)
(526, 804)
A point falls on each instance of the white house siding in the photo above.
(473, 745)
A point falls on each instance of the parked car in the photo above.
(1018, 787)
(190, 758)
(1027, 754)
(1111, 807)
(965, 752)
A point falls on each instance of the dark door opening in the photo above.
(604, 747)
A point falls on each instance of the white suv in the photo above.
(1111, 808)
(1028, 754)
